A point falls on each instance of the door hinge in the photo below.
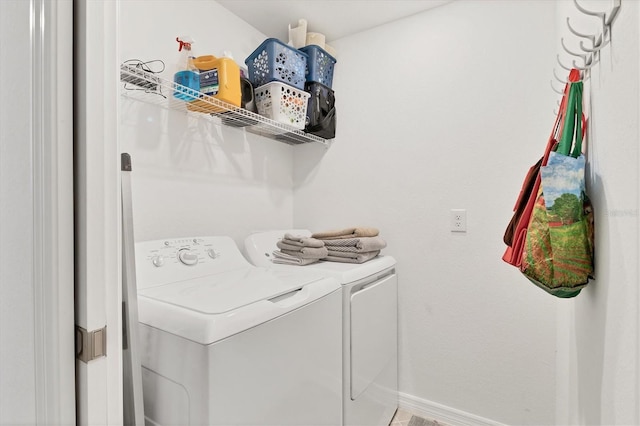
(91, 344)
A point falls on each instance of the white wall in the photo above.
(602, 325)
(191, 177)
(448, 109)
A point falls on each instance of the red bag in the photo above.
(516, 232)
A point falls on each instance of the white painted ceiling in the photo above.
(333, 18)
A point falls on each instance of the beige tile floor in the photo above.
(403, 418)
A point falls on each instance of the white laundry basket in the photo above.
(282, 103)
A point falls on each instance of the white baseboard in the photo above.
(441, 413)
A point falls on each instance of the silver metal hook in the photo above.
(591, 61)
(561, 64)
(559, 92)
(596, 46)
(566, 49)
(585, 71)
(587, 59)
(587, 66)
(589, 36)
(558, 78)
(606, 22)
(557, 110)
(600, 15)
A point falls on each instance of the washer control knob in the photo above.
(157, 260)
(212, 253)
(185, 256)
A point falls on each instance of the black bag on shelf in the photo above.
(231, 118)
(321, 110)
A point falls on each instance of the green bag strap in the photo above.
(572, 122)
(569, 125)
(577, 147)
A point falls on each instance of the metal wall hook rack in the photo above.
(590, 55)
(606, 21)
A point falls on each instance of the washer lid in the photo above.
(208, 309)
(222, 293)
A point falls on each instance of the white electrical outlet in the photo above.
(458, 220)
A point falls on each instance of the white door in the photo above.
(36, 213)
(97, 208)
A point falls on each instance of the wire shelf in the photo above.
(147, 87)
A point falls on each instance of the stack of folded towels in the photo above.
(299, 250)
(351, 245)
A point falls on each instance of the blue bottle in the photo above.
(187, 79)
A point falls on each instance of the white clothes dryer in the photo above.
(370, 327)
(223, 342)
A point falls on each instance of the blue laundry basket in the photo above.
(275, 61)
(320, 65)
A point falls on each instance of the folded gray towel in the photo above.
(307, 252)
(299, 240)
(343, 254)
(356, 245)
(346, 233)
(361, 258)
(285, 259)
(283, 244)
(298, 244)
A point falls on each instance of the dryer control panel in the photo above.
(170, 260)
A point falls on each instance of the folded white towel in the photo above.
(283, 258)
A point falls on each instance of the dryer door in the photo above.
(374, 331)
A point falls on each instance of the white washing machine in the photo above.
(223, 342)
(370, 327)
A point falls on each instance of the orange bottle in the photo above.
(220, 79)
